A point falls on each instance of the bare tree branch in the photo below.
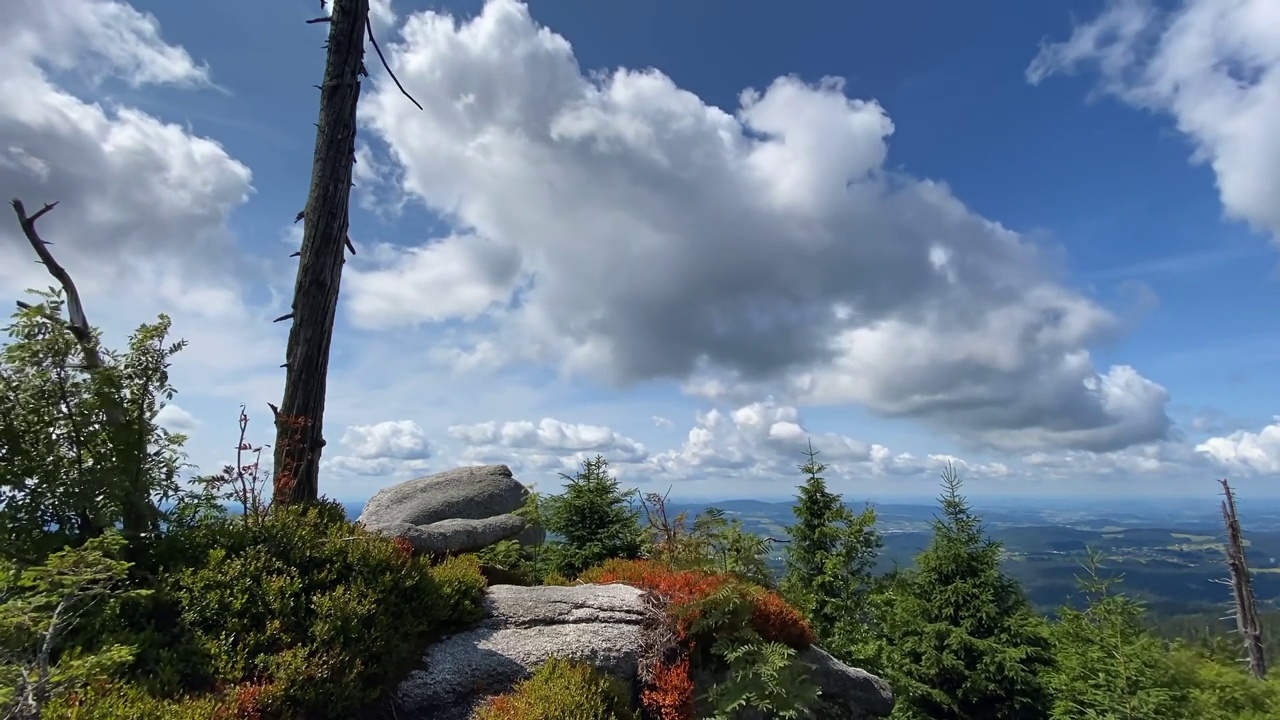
(374, 42)
(79, 323)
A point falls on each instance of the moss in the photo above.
(562, 690)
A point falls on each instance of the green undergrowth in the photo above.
(562, 689)
(298, 613)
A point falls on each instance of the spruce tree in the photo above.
(595, 518)
(830, 557)
(961, 639)
(1109, 664)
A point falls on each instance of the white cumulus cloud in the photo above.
(636, 232)
(175, 419)
(548, 442)
(144, 203)
(1247, 451)
(399, 439)
(1213, 66)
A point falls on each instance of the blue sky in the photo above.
(1033, 239)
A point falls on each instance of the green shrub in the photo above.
(74, 464)
(555, 578)
(709, 541)
(119, 701)
(562, 689)
(518, 563)
(734, 642)
(168, 659)
(39, 606)
(331, 614)
(1106, 660)
(1223, 689)
(459, 586)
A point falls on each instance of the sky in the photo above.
(1035, 240)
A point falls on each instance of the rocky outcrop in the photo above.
(598, 624)
(460, 510)
(848, 693)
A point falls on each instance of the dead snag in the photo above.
(1246, 606)
(79, 323)
(299, 423)
(299, 419)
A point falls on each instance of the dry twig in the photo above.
(369, 26)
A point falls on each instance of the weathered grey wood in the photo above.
(300, 417)
(1246, 605)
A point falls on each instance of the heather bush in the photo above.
(329, 614)
(561, 689)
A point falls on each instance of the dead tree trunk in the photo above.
(1246, 608)
(299, 419)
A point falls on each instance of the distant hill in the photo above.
(1172, 564)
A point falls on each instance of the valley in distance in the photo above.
(1169, 550)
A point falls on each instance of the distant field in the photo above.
(1193, 538)
(1174, 570)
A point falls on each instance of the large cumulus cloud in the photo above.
(615, 225)
(144, 203)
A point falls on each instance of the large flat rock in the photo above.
(456, 535)
(522, 628)
(469, 493)
(461, 510)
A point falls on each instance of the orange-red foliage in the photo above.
(670, 695)
(771, 616)
(248, 701)
(776, 620)
(680, 588)
(404, 546)
(503, 706)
